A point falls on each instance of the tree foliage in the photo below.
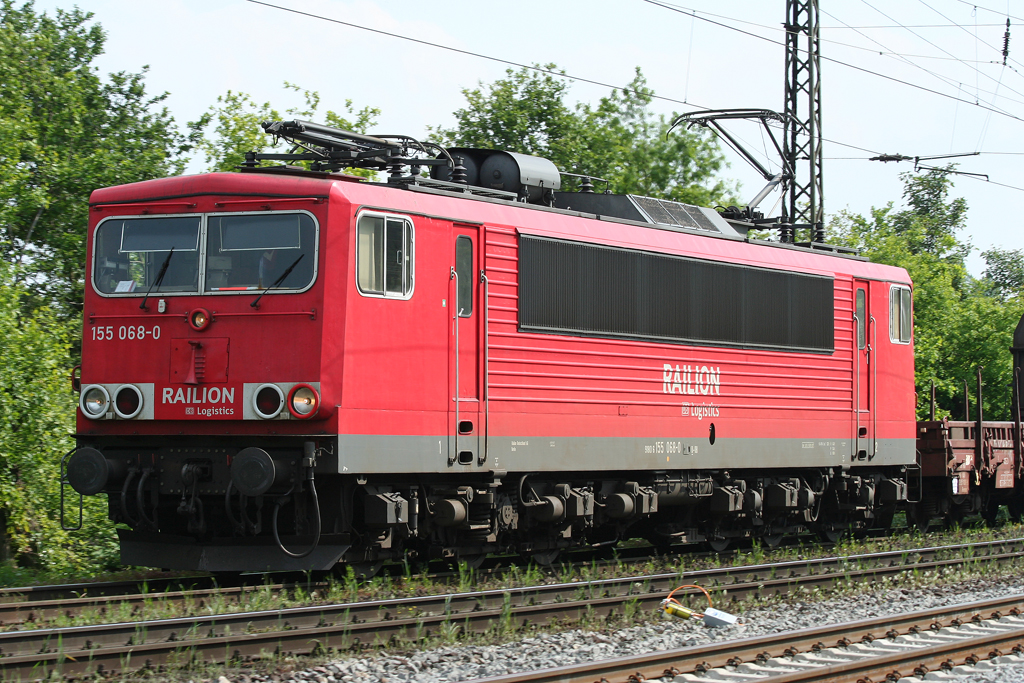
(37, 416)
(1004, 272)
(236, 119)
(619, 139)
(64, 132)
(958, 324)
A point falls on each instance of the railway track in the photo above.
(136, 590)
(886, 648)
(110, 648)
(174, 595)
(109, 589)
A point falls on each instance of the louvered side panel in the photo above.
(534, 372)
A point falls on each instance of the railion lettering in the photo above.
(199, 395)
(691, 380)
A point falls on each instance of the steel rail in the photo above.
(81, 649)
(127, 589)
(760, 649)
(41, 611)
(109, 589)
(912, 662)
(75, 600)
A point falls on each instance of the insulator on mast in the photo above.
(1006, 41)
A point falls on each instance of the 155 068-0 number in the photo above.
(106, 333)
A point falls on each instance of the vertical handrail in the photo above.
(64, 482)
(979, 444)
(482, 458)
(874, 389)
(931, 409)
(856, 398)
(454, 454)
(1016, 424)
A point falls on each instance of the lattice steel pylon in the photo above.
(802, 141)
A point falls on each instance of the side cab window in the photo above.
(385, 246)
(901, 319)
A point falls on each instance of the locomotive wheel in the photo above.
(991, 514)
(772, 540)
(474, 561)
(830, 536)
(1015, 508)
(546, 558)
(918, 518)
(361, 571)
(954, 518)
(719, 545)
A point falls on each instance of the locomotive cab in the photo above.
(202, 393)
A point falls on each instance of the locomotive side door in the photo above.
(465, 314)
(864, 375)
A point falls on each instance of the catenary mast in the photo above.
(802, 144)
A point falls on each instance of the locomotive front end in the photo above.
(202, 408)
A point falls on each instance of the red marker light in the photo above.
(303, 401)
(199, 319)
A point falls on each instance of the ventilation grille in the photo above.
(588, 290)
(668, 212)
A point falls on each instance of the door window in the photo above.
(861, 328)
(464, 269)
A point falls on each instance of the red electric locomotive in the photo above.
(287, 368)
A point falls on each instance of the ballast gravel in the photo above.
(545, 650)
(1009, 673)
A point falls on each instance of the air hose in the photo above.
(227, 505)
(132, 521)
(139, 493)
(316, 509)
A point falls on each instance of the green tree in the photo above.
(634, 149)
(1003, 277)
(37, 409)
(619, 140)
(236, 120)
(65, 132)
(958, 326)
(524, 113)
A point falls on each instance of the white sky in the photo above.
(198, 49)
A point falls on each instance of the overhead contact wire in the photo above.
(835, 61)
(945, 79)
(464, 52)
(520, 64)
(834, 42)
(977, 71)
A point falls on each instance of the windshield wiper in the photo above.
(286, 273)
(159, 278)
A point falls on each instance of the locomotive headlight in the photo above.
(267, 401)
(94, 402)
(127, 401)
(199, 319)
(303, 401)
